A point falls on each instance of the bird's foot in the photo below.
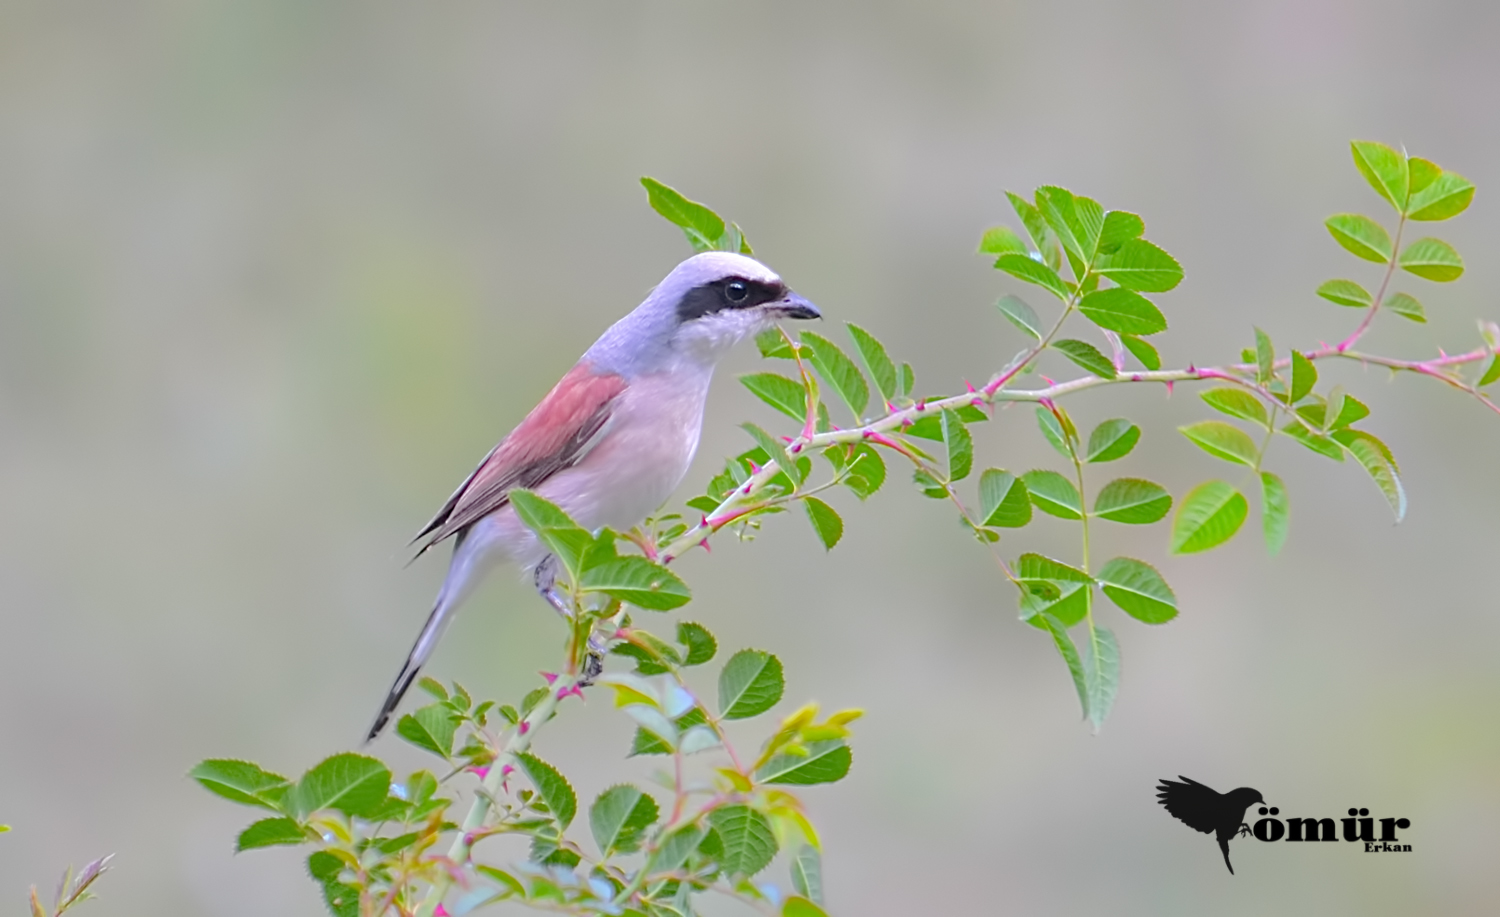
(1244, 829)
(545, 579)
(593, 667)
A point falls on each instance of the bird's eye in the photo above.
(736, 291)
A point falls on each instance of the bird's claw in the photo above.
(1244, 829)
(593, 667)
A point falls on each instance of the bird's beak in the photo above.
(794, 306)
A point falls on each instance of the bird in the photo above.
(610, 442)
(1206, 810)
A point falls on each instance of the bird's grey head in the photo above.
(697, 313)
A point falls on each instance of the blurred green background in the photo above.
(274, 275)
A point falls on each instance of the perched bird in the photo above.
(611, 441)
(1203, 809)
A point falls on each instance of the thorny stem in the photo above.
(735, 505)
(520, 741)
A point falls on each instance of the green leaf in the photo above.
(1057, 207)
(1069, 653)
(1209, 516)
(562, 536)
(783, 394)
(1222, 440)
(1304, 377)
(825, 762)
(1001, 240)
(882, 370)
(1122, 310)
(908, 380)
(1491, 374)
(1407, 307)
(825, 522)
(1346, 293)
(1112, 440)
(1021, 315)
(325, 869)
(1374, 457)
(1087, 356)
(701, 645)
(430, 728)
(352, 784)
(839, 371)
(1139, 265)
(1031, 218)
(1101, 669)
(1022, 267)
(1038, 567)
(511, 886)
(1139, 590)
(1142, 350)
(702, 226)
(1361, 236)
(1275, 512)
(1053, 494)
(773, 345)
(1132, 501)
(242, 782)
(776, 449)
(1003, 500)
(675, 849)
(645, 743)
(748, 841)
(750, 684)
(1088, 226)
(959, 444)
(1447, 196)
(1119, 227)
(270, 832)
(807, 873)
(552, 786)
(1053, 431)
(1317, 442)
(865, 471)
(638, 581)
(1265, 358)
(1432, 259)
(619, 819)
(1384, 169)
(1235, 402)
(1420, 173)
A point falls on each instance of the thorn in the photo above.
(754, 468)
(703, 522)
(576, 688)
(1048, 381)
(976, 402)
(483, 772)
(440, 911)
(506, 771)
(1170, 383)
(550, 676)
(524, 728)
(705, 546)
(968, 386)
(1135, 377)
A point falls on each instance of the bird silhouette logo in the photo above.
(1209, 811)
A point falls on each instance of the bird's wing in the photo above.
(1191, 803)
(557, 434)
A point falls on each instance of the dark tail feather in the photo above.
(1224, 846)
(393, 699)
(426, 643)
